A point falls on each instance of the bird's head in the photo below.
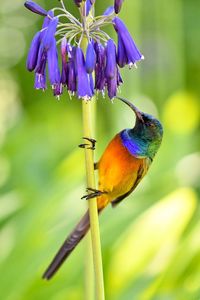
(146, 127)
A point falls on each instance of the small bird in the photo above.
(123, 164)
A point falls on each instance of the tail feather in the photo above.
(68, 246)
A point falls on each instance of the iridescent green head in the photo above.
(146, 136)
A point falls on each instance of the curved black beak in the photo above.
(137, 112)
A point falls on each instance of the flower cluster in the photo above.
(82, 73)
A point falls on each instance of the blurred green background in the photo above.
(151, 242)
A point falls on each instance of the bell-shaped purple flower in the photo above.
(53, 66)
(83, 83)
(110, 70)
(117, 5)
(131, 53)
(121, 53)
(90, 60)
(34, 7)
(71, 76)
(109, 11)
(47, 41)
(64, 61)
(33, 53)
(100, 79)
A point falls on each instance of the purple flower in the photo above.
(47, 43)
(100, 79)
(34, 7)
(33, 52)
(127, 50)
(121, 53)
(117, 5)
(53, 67)
(109, 11)
(110, 70)
(83, 83)
(71, 76)
(40, 81)
(90, 58)
(64, 61)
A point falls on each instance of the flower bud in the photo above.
(34, 7)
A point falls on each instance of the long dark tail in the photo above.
(68, 246)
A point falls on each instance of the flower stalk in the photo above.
(88, 131)
(92, 203)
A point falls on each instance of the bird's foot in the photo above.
(94, 193)
(90, 146)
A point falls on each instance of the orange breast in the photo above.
(118, 171)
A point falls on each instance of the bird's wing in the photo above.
(141, 173)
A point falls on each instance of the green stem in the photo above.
(94, 220)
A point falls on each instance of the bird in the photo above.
(121, 167)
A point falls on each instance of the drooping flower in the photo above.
(127, 50)
(53, 68)
(121, 53)
(34, 7)
(90, 58)
(100, 79)
(110, 70)
(117, 5)
(64, 61)
(83, 82)
(71, 76)
(33, 52)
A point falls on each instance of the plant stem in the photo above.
(94, 220)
